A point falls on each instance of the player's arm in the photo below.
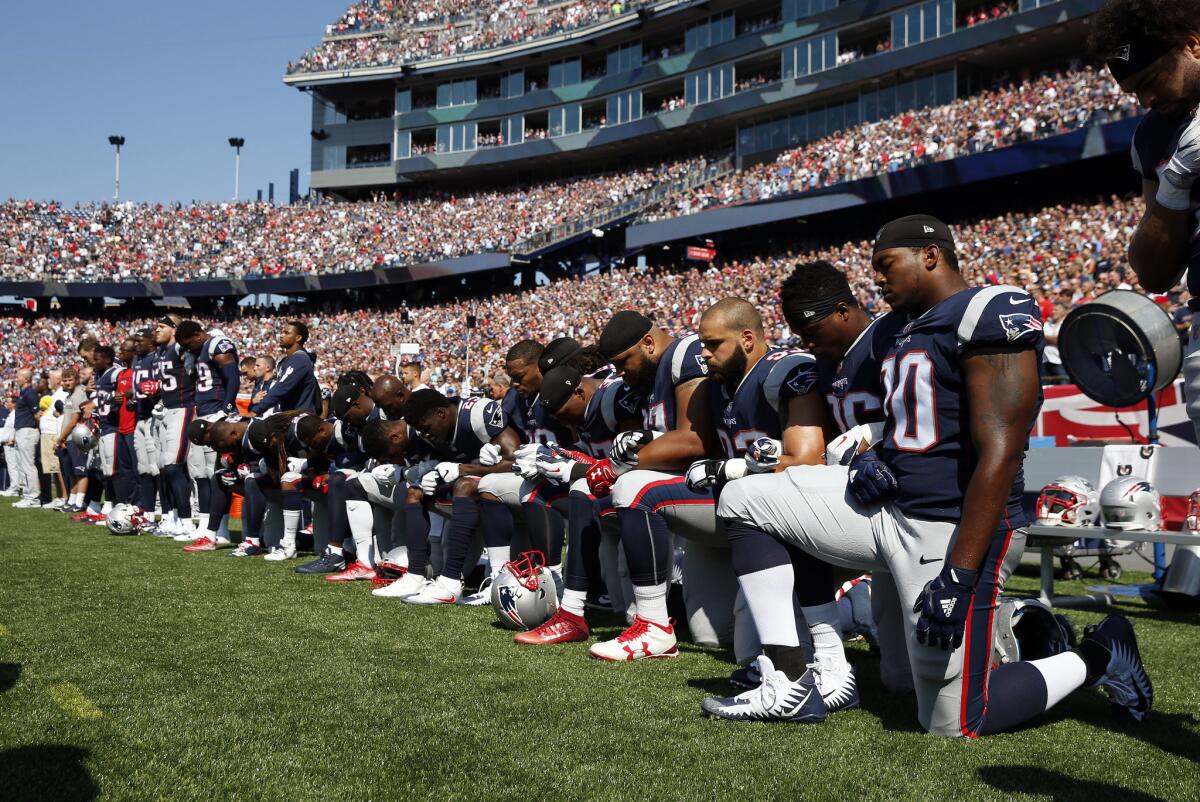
(281, 389)
(508, 442)
(1158, 248)
(693, 438)
(227, 366)
(1002, 392)
(806, 420)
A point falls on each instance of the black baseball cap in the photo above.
(557, 386)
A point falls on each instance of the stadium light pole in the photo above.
(117, 141)
(236, 143)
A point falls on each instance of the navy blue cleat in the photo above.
(1125, 678)
(777, 698)
(327, 563)
(746, 677)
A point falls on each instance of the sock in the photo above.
(464, 517)
(335, 549)
(222, 528)
(77, 499)
(845, 616)
(791, 660)
(254, 541)
(1063, 674)
(497, 556)
(1095, 657)
(769, 596)
(652, 603)
(827, 638)
(416, 536)
(291, 525)
(362, 528)
(573, 601)
(94, 507)
(583, 541)
(496, 524)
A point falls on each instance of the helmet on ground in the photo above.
(386, 573)
(1026, 629)
(523, 593)
(1130, 503)
(84, 437)
(124, 519)
(1068, 501)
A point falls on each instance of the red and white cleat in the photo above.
(563, 627)
(206, 543)
(353, 571)
(643, 640)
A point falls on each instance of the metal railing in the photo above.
(628, 207)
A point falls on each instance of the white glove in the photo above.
(849, 444)
(626, 446)
(529, 450)
(763, 455)
(556, 468)
(159, 412)
(384, 474)
(429, 483)
(1176, 177)
(703, 474)
(415, 473)
(447, 471)
(489, 455)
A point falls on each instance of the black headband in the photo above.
(623, 332)
(1135, 56)
(166, 321)
(914, 231)
(812, 310)
(291, 441)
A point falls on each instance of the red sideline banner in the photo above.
(1069, 416)
(701, 254)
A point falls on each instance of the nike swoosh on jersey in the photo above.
(924, 561)
(1016, 301)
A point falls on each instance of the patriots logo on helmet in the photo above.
(1139, 487)
(508, 604)
(1018, 324)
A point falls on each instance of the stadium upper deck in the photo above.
(674, 76)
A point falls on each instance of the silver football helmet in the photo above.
(1026, 629)
(523, 593)
(1191, 519)
(124, 519)
(84, 437)
(1068, 501)
(1129, 503)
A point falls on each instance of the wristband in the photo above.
(1175, 198)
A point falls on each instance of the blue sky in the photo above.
(176, 79)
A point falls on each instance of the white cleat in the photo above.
(27, 504)
(481, 597)
(280, 553)
(436, 591)
(642, 640)
(53, 504)
(777, 698)
(837, 685)
(189, 536)
(406, 585)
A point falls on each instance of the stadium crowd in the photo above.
(402, 33)
(1051, 103)
(41, 241)
(1063, 254)
(101, 242)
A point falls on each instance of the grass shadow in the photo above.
(9, 674)
(46, 771)
(1055, 785)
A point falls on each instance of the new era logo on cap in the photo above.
(809, 313)
(1121, 53)
(927, 229)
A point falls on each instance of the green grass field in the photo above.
(129, 670)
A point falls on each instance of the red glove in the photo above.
(148, 387)
(578, 456)
(600, 478)
(227, 461)
(320, 483)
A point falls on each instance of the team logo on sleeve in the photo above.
(1018, 324)
(495, 416)
(703, 365)
(802, 382)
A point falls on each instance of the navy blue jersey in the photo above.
(680, 363)
(613, 402)
(529, 417)
(294, 386)
(1154, 143)
(108, 411)
(345, 448)
(758, 407)
(26, 409)
(852, 388)
(145, 368)
(926, 436)
(176, 377)
(211, 393)
(480, 420)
